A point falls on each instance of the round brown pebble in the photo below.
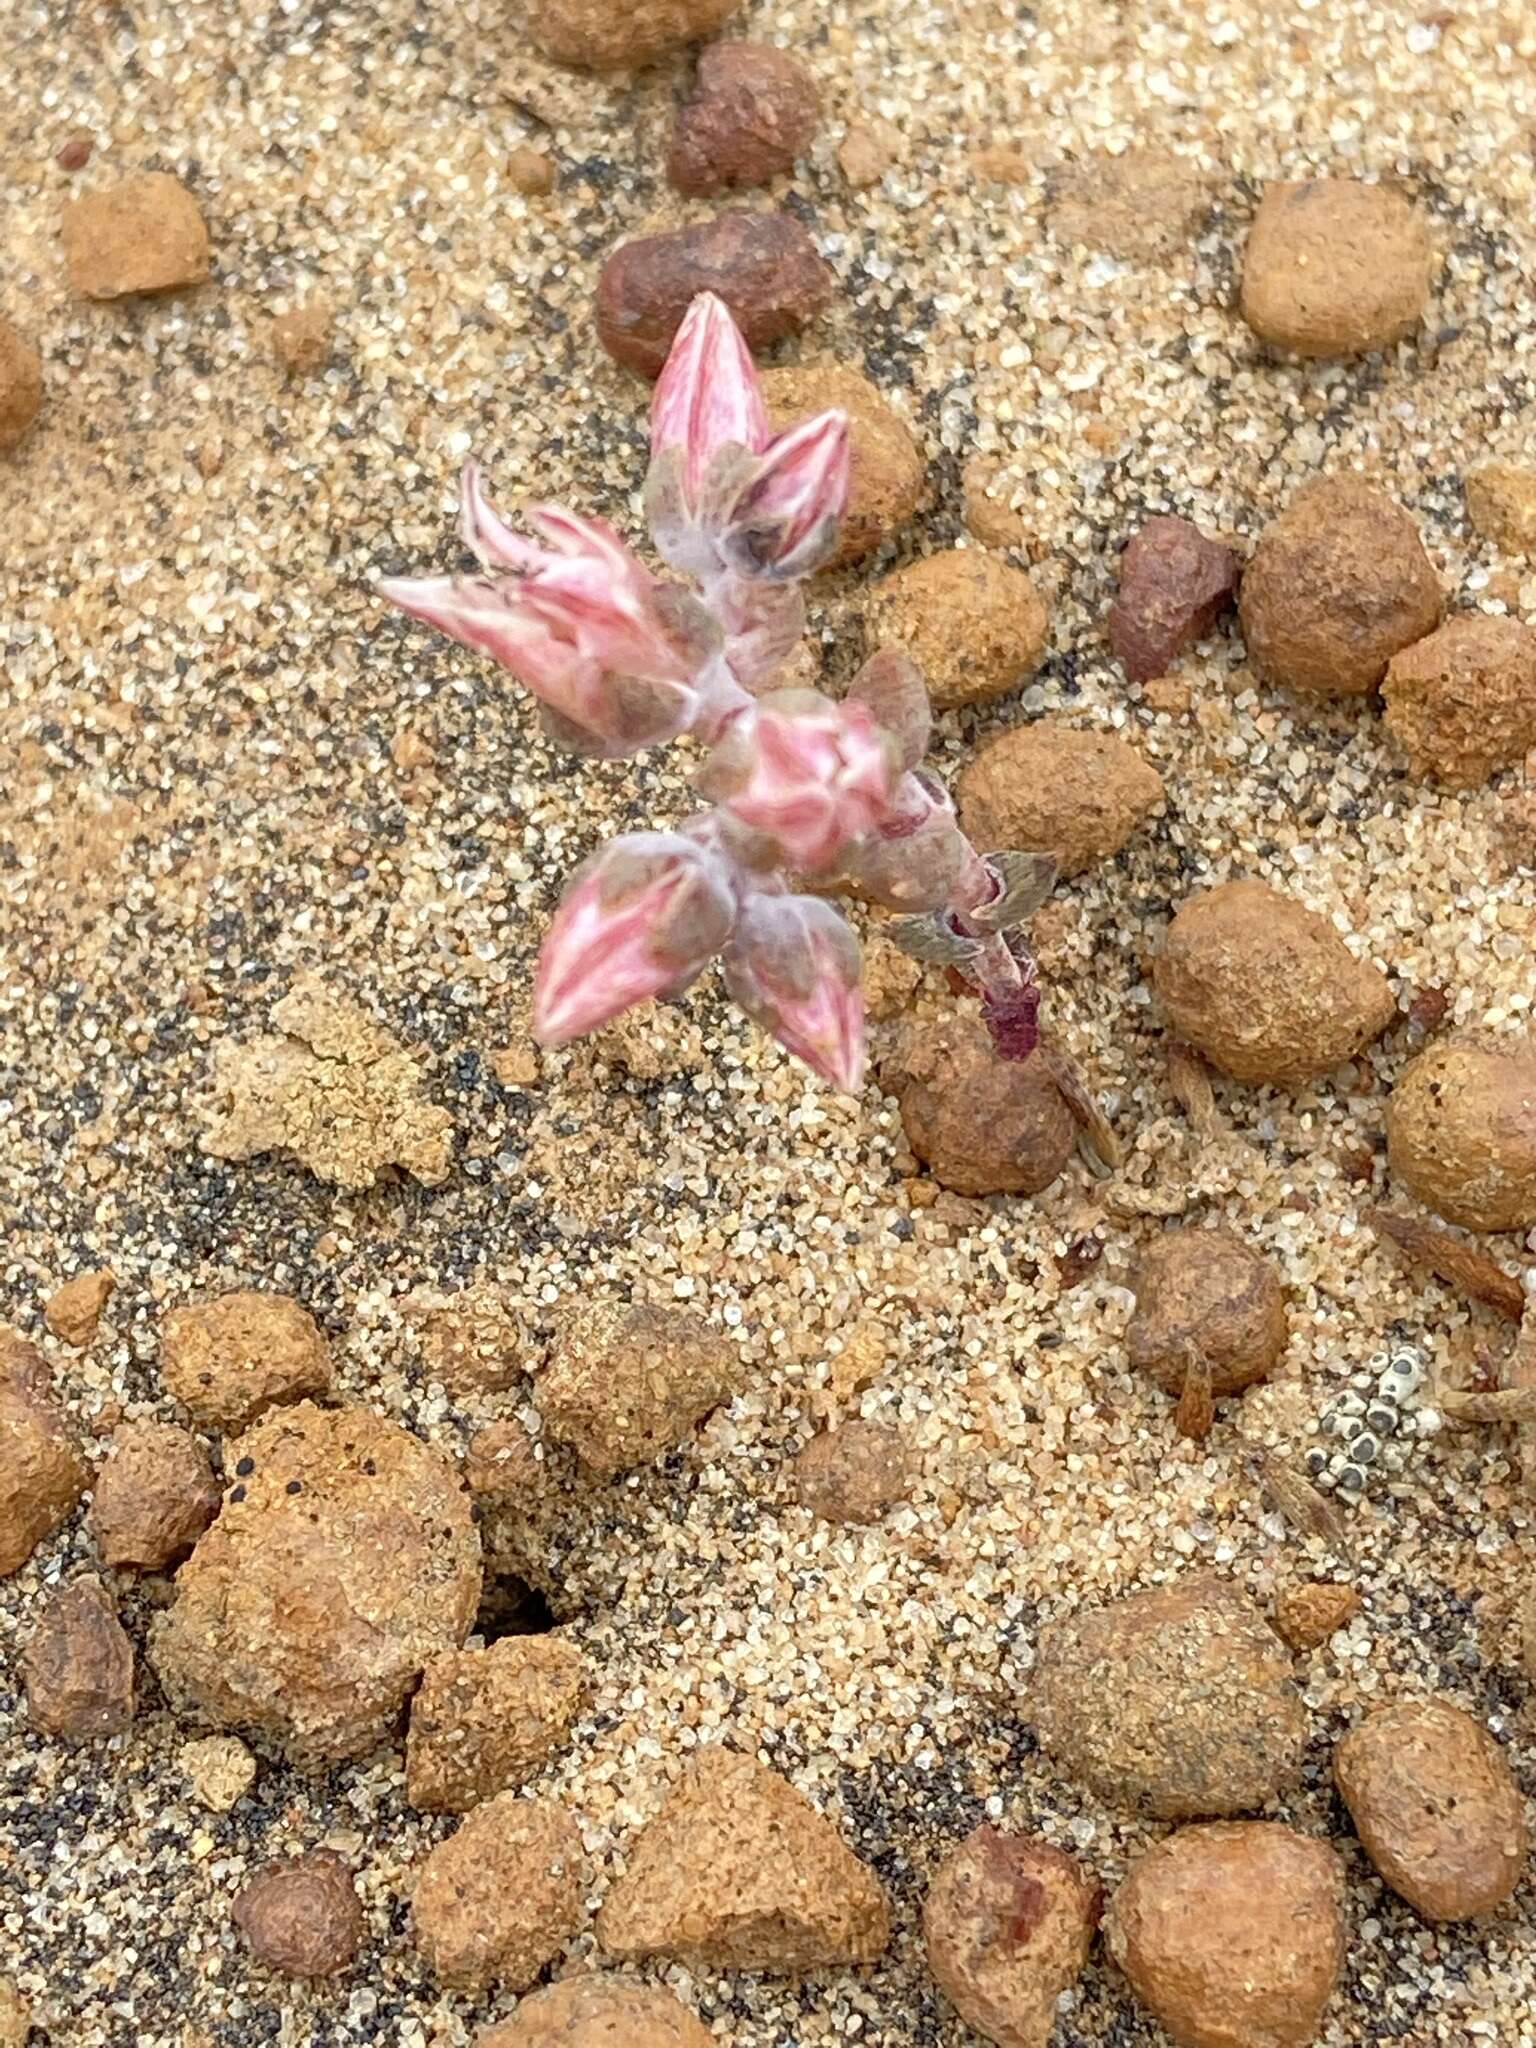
(763, 265)
(74, 152)
(739, 1871)
(1266, 988)
(21, 386)
(1336, 267)
(620, 35)
(73, 1311)
(1233, 1935)
(142, 234)
(1178, 1702)
(228, 1360)
(15, 2016)
(345, 1557)
(1461, 1134)
(1208, 1293)
(1308, 1614)
(530, 171)
(154, 1496)
(1436, 1807)
(484, 1721)
(1008, 1923)
(1462, 703)
(1501, 505)
(975, 626)
(1174, 584)
(1049, 788)
(599, 2012)
(980, 1124)
(301, 1916)
(626, 1382)
(502, 1895)
(754, 110)
(886, 471)
(853, 1473)
(42, 1474)
(78, 1666)
(1338, 584)
(302, 340)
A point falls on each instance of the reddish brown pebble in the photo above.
(974, 625)
(1175, 583)
(1337, 585)
(1461, 1134)
(739, 1871)
(78, 1666)
(301, 1916)
(1336, 267)
(530, 171)
(73, 1310)
(1233, 1936)
(21, 386)
(625, 1383)
(980, 1124)
(1205, 1292)
(1008, 1923)
(1048, 788)
(886, 471)
(228, 1360)
(1436, 1807)
(763, 265)
(42, 1474)
(754, 110)
(1501, 505)
(620, 35)
(1178, 1702)
(1462, 702)
(598, 2011)
(853, 1473)
(1309, 1613)
(154, 1496)
(142, 234)
(74, 153)
(501, 1896)
(302, 339)
(484, 1721)
(1265, 988)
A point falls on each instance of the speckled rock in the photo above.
(598, 2011)
(345, 1557)
(301, 1915)
(1461, 1134)
(21, 386)
(1266, 988)
(1175, 583)
(1008, 1924)
(739, 1871)
(502, 1895)
(473, 1342)
(1178, 1702)
(886, 469)
(1233, 1936)
(1337, 585)
(154, 1496)
(1436, 1807)
(303, 340)
(980, 1124)
(78, 1666)
(974, 625)
(1308, 1613)
(228, 1360)
(484, 1721)
(1462, 702)
(1336, 267)
(16, 2017)
(1501, 505)
(754, 110)
(220, 1770)
(73, 1311)
(764, 265)
(42, 1474)
(853, 1473)
(625, 1384)
(142, 234)
(522, 1491)
(619, 35)
(1049, 788)
(1209, 1292)
(1139, 205)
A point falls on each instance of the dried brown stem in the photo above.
(1461, 1265)
(1196, 1411)
(1301, 1504)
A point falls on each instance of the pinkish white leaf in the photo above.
(793, 965)
(708, 397)
(811, 775)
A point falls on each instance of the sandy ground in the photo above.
(224, 763)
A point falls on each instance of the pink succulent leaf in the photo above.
(708, 396)
(784, 523)
(764, 623)
(640, 919)
(681, 540)
(891, 685)
(793, 965)
(811, 775)
(915, 858)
